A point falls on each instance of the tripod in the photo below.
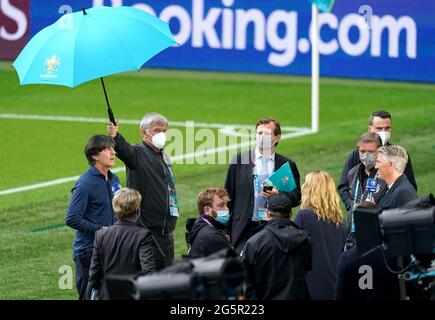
(417, 274)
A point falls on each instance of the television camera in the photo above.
(405, 232)
(220, 276)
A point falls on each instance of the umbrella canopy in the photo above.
(90, 44)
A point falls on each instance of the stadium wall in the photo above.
(372, 39)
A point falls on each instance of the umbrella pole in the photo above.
(109, 110)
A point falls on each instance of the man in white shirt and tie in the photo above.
(244, 183)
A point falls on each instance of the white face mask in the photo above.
(159, 140)
(264, 142)
(385, 135)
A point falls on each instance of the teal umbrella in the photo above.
(90, 44)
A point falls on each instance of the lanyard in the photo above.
(356, 196)
(256, 182)
(355, 200)
(171, 182)
(206, 221)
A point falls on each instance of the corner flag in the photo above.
(323, 5)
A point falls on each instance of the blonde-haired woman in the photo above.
(321, 216)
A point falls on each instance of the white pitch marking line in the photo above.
(299, 132)
(16, 116)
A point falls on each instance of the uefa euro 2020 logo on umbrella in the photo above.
(50, 67)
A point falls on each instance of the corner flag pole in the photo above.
(314, 69)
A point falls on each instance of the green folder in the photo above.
(282, 179)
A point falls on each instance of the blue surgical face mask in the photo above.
(222, 217)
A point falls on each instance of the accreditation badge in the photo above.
(173, 204)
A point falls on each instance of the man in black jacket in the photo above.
(122, 249)
(206, 234)
(149, 171)
(390, 163)
(362, 183)
(244, 183)
(354, 190)
(380, 123)
(278, 257)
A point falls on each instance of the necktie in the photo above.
(264, 172)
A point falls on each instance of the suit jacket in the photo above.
(400, 193)
(240, 187)
(122, 249)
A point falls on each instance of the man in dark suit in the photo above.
(379, 123)
(390, 163)
(244, 183)
(122, 249)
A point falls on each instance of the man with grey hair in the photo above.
(391, 162)
(149, 171)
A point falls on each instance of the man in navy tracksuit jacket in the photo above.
(90, 207)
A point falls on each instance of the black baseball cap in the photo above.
(280, 203)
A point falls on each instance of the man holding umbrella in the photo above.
(149, 171)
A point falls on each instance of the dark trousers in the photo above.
(163, 249)
(83, 263)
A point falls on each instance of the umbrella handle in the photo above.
(109, 110)
(111, 117)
